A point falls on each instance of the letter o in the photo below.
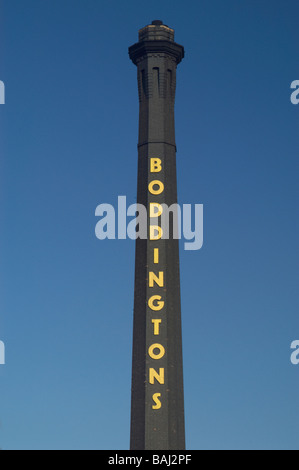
(153, 191)
(160, 354)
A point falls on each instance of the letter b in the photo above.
(156, 165)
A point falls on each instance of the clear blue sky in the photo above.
(68, 143)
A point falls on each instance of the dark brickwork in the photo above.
(157, 416)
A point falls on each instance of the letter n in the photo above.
(154, 375)
(159, 280)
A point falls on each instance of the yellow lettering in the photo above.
(156, 232)
(156, 323)
(156, 165)
(156, 210)
(153, 374)
(156, 255)
(157, 401)
(158, 191)
(158, 280)
(155, 356)
(160, 304)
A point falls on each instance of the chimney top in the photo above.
(157, 31)
(156, 38)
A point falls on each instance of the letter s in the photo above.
(295, 354)
(295, 94)
(158, 404)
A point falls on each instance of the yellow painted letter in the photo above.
(160, 303)
(156, 255)
(156, 210)
(156, 165)
(158, 191)
(156, 232)
(156, 322)
(158, 280)
(153, 374)
(154, 355)
(156, 399)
